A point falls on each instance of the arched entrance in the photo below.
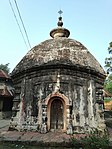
(56, 114)
(62, 102)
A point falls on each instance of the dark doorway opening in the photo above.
(56, 115)
(7, 108)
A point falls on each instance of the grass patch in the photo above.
(107, 99)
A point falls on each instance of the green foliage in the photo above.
(107, 99)
(108, 84)
(5, 67)
(93, 141)
(108, 87)
(108, 61)
(110, 77)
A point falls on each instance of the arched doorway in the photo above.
(62, 102)
(57, 114)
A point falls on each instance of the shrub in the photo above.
(93, 141)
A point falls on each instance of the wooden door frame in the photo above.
(65, 102)
(49, 112)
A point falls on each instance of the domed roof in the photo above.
(59, 50)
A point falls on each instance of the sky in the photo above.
(89, 22)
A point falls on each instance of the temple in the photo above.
(58, 87)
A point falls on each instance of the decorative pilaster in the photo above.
(69, 121)
(44, 119)
(100, 109)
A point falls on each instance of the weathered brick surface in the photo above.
(12, 135)
(61, 70)
(59, 50)
(27, 136)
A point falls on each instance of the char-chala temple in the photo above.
(58, 87)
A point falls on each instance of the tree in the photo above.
(5, 67)
(108, 66)
(108, 84)
(108, 61)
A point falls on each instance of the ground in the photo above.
(36, 137)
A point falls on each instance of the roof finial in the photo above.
(60, 23)
(60, 12)
(60, 31)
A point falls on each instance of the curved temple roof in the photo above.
(59, 50)
(63, 50)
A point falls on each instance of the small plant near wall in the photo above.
(94, 141)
